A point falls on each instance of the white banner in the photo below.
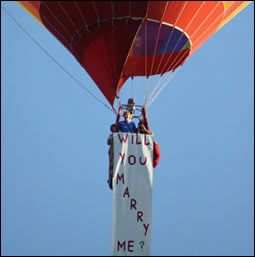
(132, 194)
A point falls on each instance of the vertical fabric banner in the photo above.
(132, 194)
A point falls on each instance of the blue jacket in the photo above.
(127, 126)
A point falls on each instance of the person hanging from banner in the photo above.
(111, 154)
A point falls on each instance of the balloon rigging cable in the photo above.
(79, 83)
(169, 75)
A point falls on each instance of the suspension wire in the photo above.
(170, 75)
(76, 29)
(82, 16)
(155, 49)
(168, 40)
(159, 84)
(163, 85)
(70, 20)
(58, 64)
(210, 25)
(145, 49)
(160, 78)
(196, 30)
(98, 18)
(167, 80)
(180, 60)
(143, 22)
(156, 45)
(182, 36)
(130, 13)
(145, 93)
(145, 54)
(183, 55)
(59, 22)
(131, 86)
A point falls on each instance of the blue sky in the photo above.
(54, 195)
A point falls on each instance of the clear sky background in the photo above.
(54, 156)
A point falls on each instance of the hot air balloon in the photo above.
(116, 40)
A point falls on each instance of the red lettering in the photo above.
(145, 140)
(119, 245)
(130, 245)
(122, 157)
(146, 228)
(123, 139)
(129, 159)
(126, 192)
(145, 160)
(132, 204)
(132, 139)
(132, 159)
(119, 178)
(123, 244)
(139, 216)
(137, 142)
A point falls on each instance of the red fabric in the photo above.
(156, 154)
(98, 39)
(103, 53)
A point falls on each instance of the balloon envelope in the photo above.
(115, 40)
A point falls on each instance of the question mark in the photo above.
(142, 244)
